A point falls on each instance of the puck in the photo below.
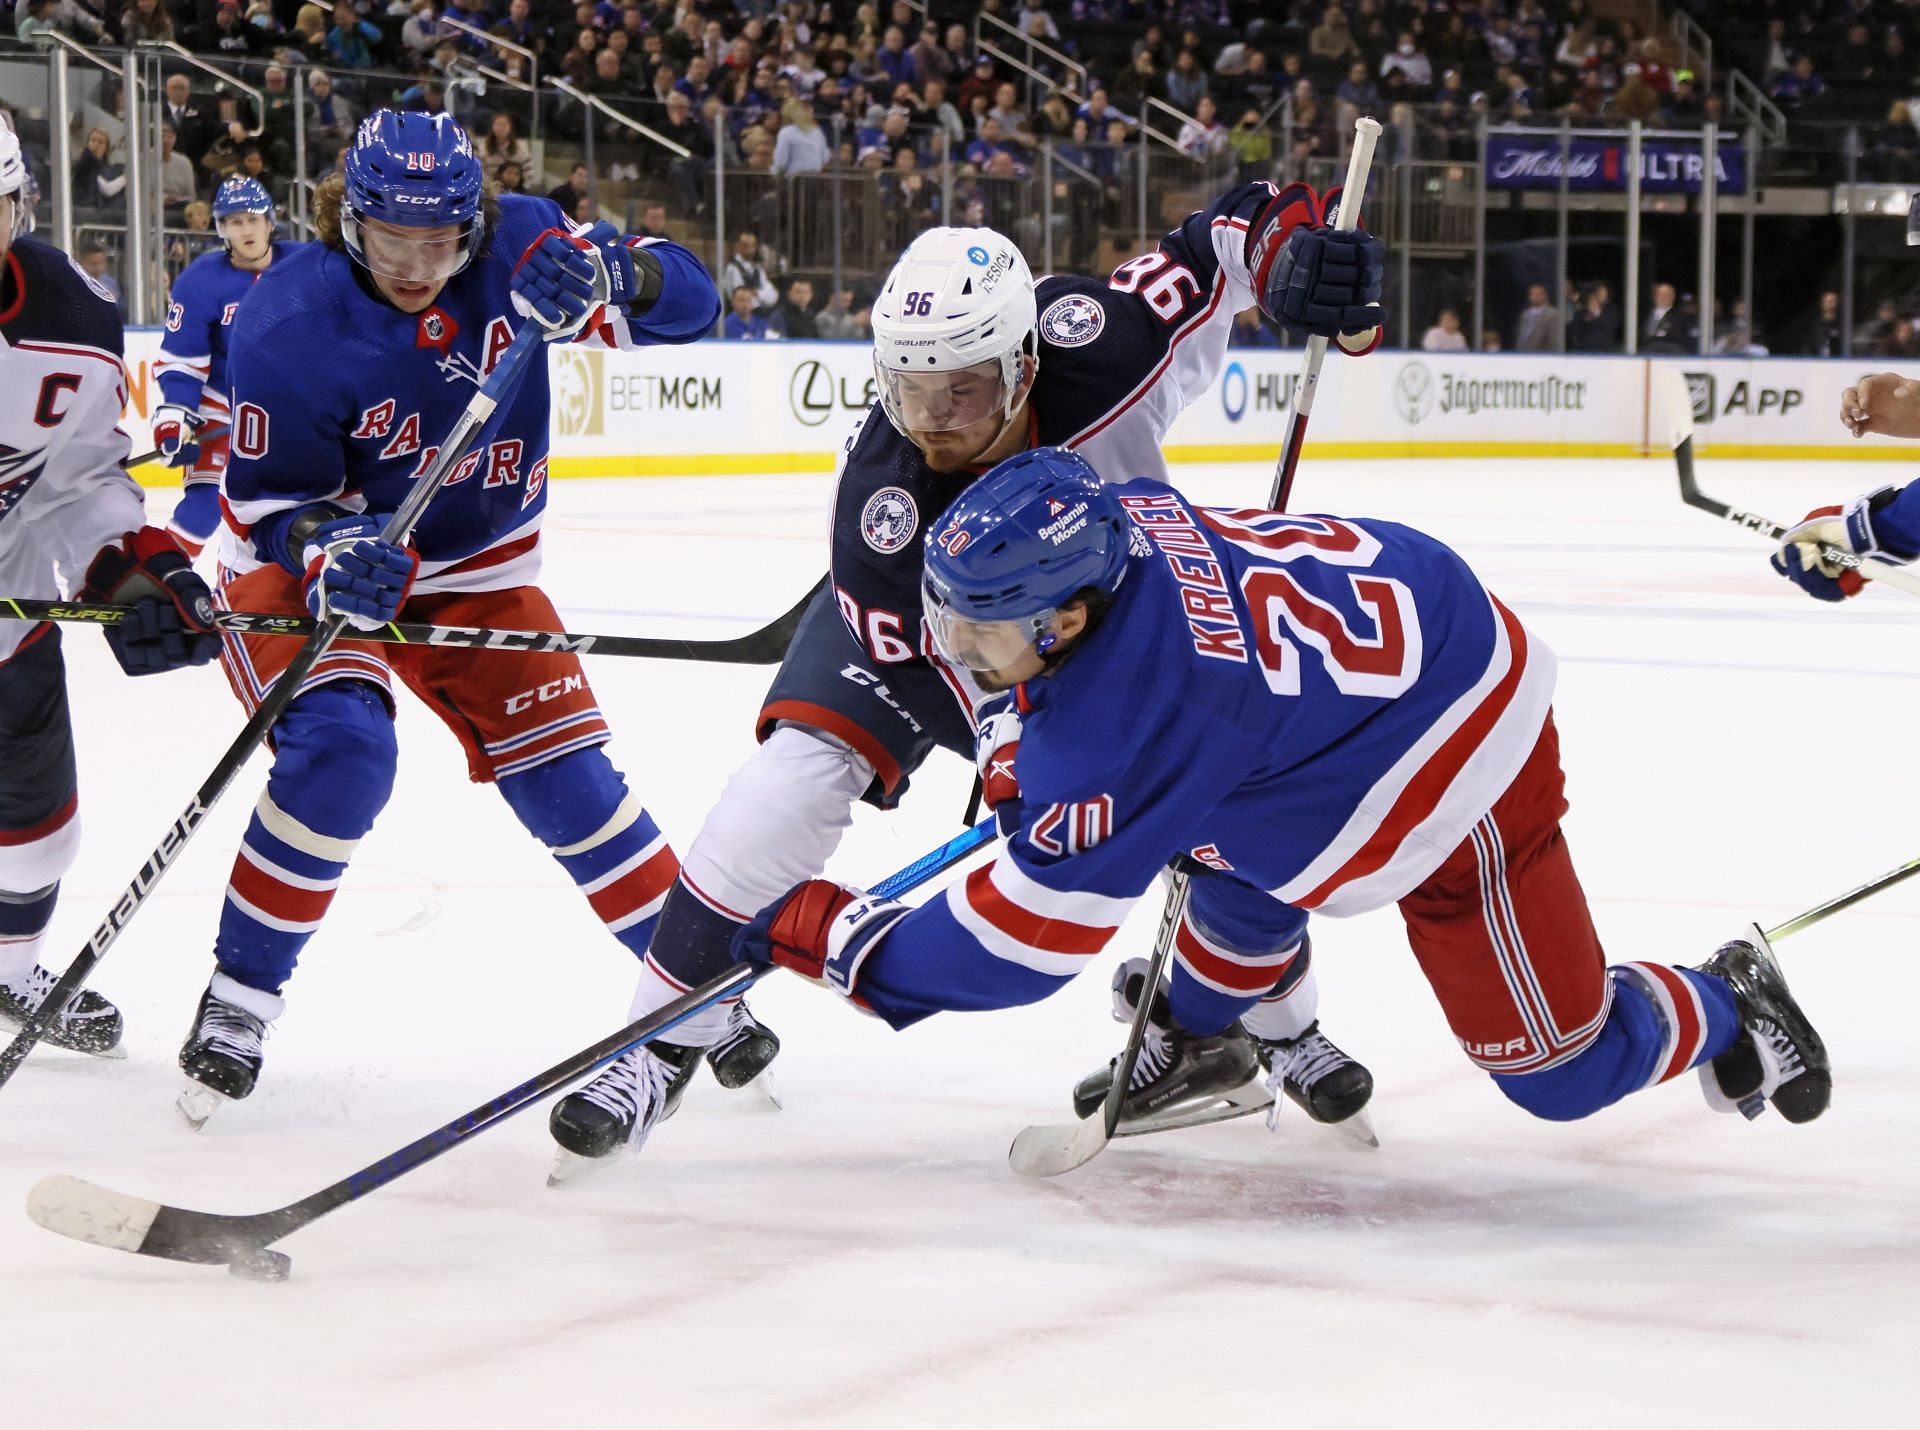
(261, 1264)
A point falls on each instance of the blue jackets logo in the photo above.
(1073, 321)
(888, 520)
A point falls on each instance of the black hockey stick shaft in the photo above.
(505, 375)
(179, 1234)
(762, 647)
(212, 429)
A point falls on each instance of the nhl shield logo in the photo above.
(434, 327)
(1072, 321)
(888, 520)
(1700, 394)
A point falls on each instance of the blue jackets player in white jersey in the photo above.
(192, 370)
(974, 362)
(71, 520)
(1330, 714)
(349, 361)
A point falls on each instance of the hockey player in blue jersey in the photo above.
(70, 517)
(348, 361)
(975, 361)
(192, 370)
(1884, 522)
(1330, 714)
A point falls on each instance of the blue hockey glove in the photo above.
(1864, 526)
(174, 430)
(196, 516)
(1312, 279)
(171, 620)
(563, 280)
(819, 929)
(351, 572)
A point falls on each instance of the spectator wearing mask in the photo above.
(1409, 62)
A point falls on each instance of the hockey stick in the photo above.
(1366, 133)
(83, 1211)
(398, 528)
(1679, 408)
(1048, 1150)
(765, 646)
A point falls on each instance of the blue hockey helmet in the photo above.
(241, 196)
(413, 170)
(1020, 543)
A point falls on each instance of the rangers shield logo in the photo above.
(888, 520)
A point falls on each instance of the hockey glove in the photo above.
(174, 430)
(564, 280)
(351, 572)
(1314, 280)
(170, 623)
(819, 929)
(1863, 527)
(995, 749)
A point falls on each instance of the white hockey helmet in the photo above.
(959, 300)
(16, 182)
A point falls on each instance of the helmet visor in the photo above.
(980, 645)
(427, 255)
(943, 401)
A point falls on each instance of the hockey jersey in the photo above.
(192, 369)
(1318, 707)
(340, 397)
(63, 493)
(1118, 362)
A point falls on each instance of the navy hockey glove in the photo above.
(564, 280)
(1314, 280)
(1862, 527)
(171, 620)
(175, 432)
(351, 572)
(819, 929)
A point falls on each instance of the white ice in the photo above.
(865, 1257)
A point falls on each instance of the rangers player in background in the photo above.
(349, 360)
(1883, 522)
(65, 503)
(1342, 717)
(975, 362)
(192, 369)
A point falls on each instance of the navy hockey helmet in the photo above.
(413, 170)
(1020, 543)
(241, 196)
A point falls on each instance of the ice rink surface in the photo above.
(865, 1257)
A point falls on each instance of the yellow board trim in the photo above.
(750, 464)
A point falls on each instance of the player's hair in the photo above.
(331, 192)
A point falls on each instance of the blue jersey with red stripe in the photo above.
(339, 397)
(1318, 708)
(201, 307)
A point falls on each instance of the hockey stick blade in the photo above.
(82, 1211)
(766, 646)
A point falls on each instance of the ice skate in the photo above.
(613, 1114)
(744, 1055)
(89, 1024)
(221, 1058)
(1180, 1079)
(1328, 1085)
(1778, 1058)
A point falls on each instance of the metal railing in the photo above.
(1066, 62)
(1693, 46)
(188, 57)
(1747, 103)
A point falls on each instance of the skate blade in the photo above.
(1241, 1102)
(1359, 1127)
(764, 1084)
(198, 1102)
(570, 1168)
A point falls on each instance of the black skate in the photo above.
(614, 1113)
(1180, 1079)
(1779, 1058)
(89, 1024)
(221, 1056)
(1329, 1086)
(745, 1052)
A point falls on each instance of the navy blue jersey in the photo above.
(192, 369)
(1118, 362)
(339, 397)
(1319, 708)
